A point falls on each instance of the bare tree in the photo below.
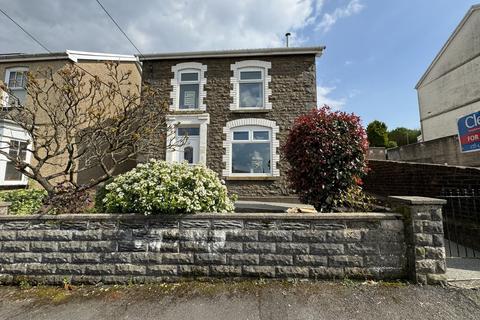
(78, 122)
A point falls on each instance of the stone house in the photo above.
(13, 68)
(235, 107)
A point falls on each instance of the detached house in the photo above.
(13, 68)
(235, 108)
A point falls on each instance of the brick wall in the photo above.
(122, 248)
(293, 93)
(388, 178)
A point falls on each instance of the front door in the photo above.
(189, 151)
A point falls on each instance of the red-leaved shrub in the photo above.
(326, 151)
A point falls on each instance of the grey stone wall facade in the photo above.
(293, 88)
(125, 248)
(424, 238)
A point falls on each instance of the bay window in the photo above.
(17, 149)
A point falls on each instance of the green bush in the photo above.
(25, 201)
(353, 199)
(158, 187)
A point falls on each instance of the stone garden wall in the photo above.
(131, 248)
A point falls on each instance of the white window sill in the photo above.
(13, 183)
(196, 110)
(252, 178)
(250, 110)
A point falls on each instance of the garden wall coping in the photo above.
(415, 200)
(224, 216)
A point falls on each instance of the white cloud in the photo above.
(324, 99)
(156, 25)
(329, 19)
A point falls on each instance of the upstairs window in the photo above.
(16, 80)
(188, 86)
(189, 89)
(250, 85)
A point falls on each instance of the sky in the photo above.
(376, 52)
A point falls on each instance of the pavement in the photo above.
(241, 300)
(463, 269)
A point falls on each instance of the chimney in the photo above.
(288, 34)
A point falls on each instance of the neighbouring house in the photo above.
(236, 108)
(449, 89)
(13, 67)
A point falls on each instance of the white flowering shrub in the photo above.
(158, 187)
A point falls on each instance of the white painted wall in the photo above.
(445, 124)
(451, 88)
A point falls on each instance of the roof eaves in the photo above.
(20, 57)
(317, 51)
(98, 56)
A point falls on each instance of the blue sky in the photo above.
(375, 57)
(376, 49)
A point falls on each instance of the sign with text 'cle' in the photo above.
(469, 132)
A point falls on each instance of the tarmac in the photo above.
(251, 300)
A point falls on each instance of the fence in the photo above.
(461, 222)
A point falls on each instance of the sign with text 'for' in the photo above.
(469, 132)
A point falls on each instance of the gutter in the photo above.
(317, 51)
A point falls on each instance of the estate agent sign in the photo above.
(469, 132)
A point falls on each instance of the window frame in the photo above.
(251, 140)
(187, 82)
(176, 82)
(250, 65)
(247, 81)
(251, 125)
(6, 98)
(9, 71)
(18, 152)
(9, 132)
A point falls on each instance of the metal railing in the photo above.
(461, 222)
